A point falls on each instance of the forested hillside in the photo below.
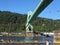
(14, 22)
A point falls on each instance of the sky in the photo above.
(23, 6)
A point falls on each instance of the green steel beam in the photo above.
(40, 7)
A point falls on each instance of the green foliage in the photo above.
(14, 22)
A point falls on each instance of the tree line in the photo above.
(15, 22)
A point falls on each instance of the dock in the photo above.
(22, 42)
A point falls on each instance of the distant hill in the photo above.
(14, 22)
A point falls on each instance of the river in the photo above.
(22, 38)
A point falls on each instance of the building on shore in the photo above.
(56, 36)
